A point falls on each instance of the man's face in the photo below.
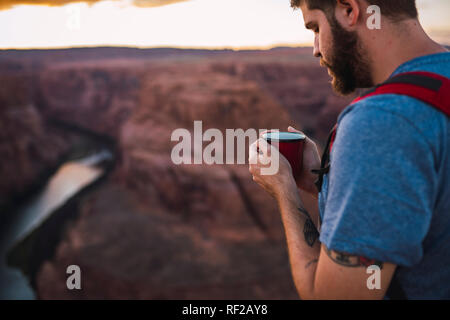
(340, 51)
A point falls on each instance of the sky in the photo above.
(171, 23)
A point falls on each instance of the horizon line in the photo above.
(212, 48)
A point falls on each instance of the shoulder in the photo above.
(438, 63)
(395, 118)
(388, 109)
(395, 106)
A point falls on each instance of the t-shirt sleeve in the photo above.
(381, 188)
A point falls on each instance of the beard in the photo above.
(348, 66)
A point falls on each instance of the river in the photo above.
(69, 179)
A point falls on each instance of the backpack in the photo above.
(427, 87)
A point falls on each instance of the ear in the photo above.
(348, 12)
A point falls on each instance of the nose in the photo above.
(316, 51)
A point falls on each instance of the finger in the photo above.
(264, 147)
(291, 129)
(269, 156)
(253, 153)
(265, 131)
(256, 178)
(253, 147)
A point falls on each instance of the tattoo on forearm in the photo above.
(309, 230)
(304, 212)
(352, 261)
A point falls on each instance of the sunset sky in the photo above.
(156, 23)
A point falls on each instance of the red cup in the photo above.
(290, 145)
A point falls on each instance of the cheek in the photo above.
(325, 43)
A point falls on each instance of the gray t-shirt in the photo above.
(387, 195)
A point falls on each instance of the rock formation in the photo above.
(155, 230)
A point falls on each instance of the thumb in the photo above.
(291, 129)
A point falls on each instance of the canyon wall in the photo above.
(155, 230)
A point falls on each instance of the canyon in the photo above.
(152, 229)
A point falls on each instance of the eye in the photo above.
(316, 30)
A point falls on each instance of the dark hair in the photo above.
(396, 10)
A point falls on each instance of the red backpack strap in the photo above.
(428, 87)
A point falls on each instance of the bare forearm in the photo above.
(302, 240)
(311, 204)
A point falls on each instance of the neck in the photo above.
(397, 44)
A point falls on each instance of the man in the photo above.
(386, 199)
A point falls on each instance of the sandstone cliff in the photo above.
(154, 229)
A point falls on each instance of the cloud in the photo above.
(8, 4)
(155, 3)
